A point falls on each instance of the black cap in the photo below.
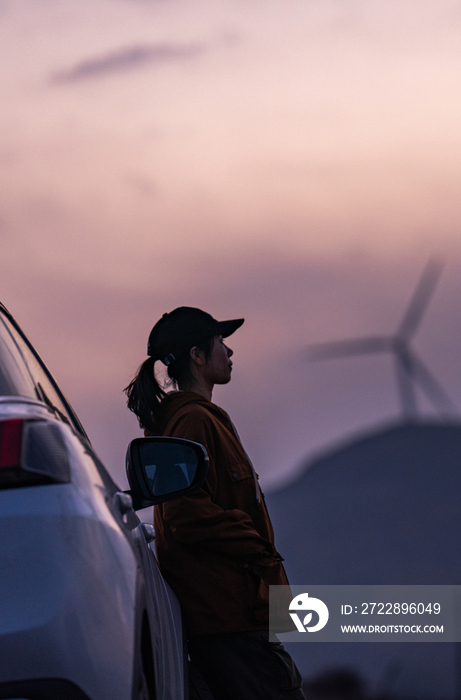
(177, 332)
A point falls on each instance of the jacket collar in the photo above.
(174, 401)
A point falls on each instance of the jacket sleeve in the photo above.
(197, 520)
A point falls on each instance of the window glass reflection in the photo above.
(15, 379)
(168, 468)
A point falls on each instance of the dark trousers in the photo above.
(246, 666)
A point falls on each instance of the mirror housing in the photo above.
(162, 468)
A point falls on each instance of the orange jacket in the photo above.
(215, 547)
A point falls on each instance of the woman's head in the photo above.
(176, 333)
(190, 343)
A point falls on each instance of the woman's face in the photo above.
(218, 367)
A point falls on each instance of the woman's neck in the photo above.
(200, 387)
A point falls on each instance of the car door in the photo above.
(159, 620)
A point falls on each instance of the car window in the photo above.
(15, 379)
(43, 386)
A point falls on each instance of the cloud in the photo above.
(127, 58)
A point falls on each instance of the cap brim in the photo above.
(226, 328)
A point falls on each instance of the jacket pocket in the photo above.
(239, 471)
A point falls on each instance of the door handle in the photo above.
(148, 531)
(123, 501)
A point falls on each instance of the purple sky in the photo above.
(293, 163)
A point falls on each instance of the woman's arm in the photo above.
(196, 519)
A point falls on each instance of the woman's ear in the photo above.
(197, 356)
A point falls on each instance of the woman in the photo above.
(215, 547)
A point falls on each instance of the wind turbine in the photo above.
(409, 368)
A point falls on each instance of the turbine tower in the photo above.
(409, 368)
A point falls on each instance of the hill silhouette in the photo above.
(381, 509)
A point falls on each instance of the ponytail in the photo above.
(144, 397)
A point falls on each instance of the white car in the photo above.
(84, 611)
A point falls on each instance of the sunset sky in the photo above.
(292, 162)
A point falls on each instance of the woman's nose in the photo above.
(229, 351)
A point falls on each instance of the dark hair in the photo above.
(145, 394)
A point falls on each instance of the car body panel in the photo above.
(77, 577)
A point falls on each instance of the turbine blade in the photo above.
(420, 299)
(432, 388)
(344, 348)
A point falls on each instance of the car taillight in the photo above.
(32, 452)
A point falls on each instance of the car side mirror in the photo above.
(162, 468)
